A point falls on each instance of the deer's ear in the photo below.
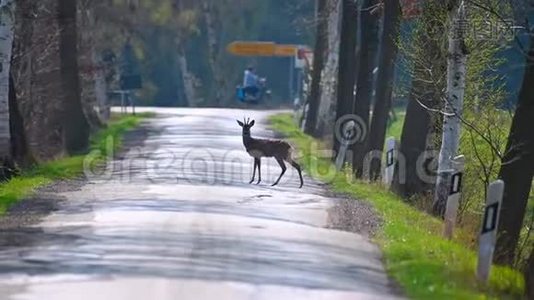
(240, 123)
(251, 123)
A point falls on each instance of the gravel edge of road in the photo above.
(347, 213)
(352, 215)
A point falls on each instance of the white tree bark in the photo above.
(456, 73)
(7, 21)
(325, 121)
(213, 45)
(187, 80)
(103, 107)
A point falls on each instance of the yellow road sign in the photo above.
(252, 48)
(242, 48)
(286, 50)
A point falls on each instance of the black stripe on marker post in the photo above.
(490, 218)
(456, 183)
(389, 158)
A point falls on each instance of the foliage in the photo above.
(485, 123)
(486, 127)
(395, 125)
(424, 264)
(161, 29)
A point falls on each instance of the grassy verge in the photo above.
(395, 127)
(68, 167)
(424, 264)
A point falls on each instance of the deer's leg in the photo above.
(254, 172)
(297, 166)
(283, 166)
(258, 162)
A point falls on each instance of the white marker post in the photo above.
(389, 170)
(488, 235)
(304, 116)
(453, 201)
(347, 135)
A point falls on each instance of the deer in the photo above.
(258, 148)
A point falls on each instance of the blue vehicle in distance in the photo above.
(246, 95)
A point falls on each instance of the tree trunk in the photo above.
(456, 72)
(412, 146)
(187, 79)
(89, 67)
(101, 89)
(75, 125)
(419, 122)
(384, 88)
(328, 84)
(321, 42)
(517, 169)
(364, 86)
(210, 17)
(7, 18)
(19, 146)
(347, 65)
(37, 77)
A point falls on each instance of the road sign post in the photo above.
(291, 80)
(453, 201)
(389, 169)
(488, 234)
(126, 100)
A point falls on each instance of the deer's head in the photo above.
(246, 125)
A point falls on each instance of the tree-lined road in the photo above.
(175, 218)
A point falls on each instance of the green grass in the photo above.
(425, 265)
(395, 127)
(24, 185)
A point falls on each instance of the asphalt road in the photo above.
(175, 218)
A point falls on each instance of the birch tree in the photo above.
(211, 19)
(187, 78)
(7, 21)
(456, 72)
